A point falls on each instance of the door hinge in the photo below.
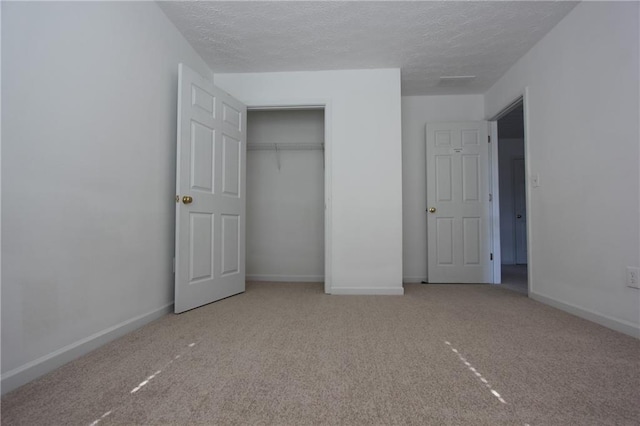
(490, 197)
(489, 138)
(491, 256)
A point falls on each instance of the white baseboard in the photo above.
(286, 278)
(32, 370)
(616, 324)
(413, 280)
(384, 291)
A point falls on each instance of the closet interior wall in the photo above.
(285, 195)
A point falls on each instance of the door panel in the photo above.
(232, 117)
(471, 240)
(443, 138)
(458, 189)
(470, 178)
(444, 247)
(202, 159)
(231, 246)
(231, 165)
(444, 182)
(201, 247)
(470, 137)
(202, 99)
(211, 157)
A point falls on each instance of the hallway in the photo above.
(514, 277)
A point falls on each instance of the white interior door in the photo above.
(210, 187)
(458, 207)
(520, 211)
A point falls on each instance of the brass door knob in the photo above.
(187, 200)
(432, 209)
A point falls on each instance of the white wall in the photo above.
(583, 141)
(88, 162)
(365, 166)
(416, 112)
(285, 207)
(508, 150)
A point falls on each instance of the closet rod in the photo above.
(285, 146)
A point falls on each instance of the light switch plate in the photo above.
(633, 277)
(535, 180)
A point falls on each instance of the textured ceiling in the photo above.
(426, 40)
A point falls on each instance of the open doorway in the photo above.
(285, 195)
(512, 198)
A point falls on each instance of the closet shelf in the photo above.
(285, 146)
(277, 147)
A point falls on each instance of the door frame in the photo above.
(324, 104)
(495, 188)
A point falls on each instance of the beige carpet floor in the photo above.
(286, 354)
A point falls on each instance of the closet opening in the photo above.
(285, 215)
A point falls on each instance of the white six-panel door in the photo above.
(458, 208)
(210, 188)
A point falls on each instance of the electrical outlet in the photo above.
(633, 277)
